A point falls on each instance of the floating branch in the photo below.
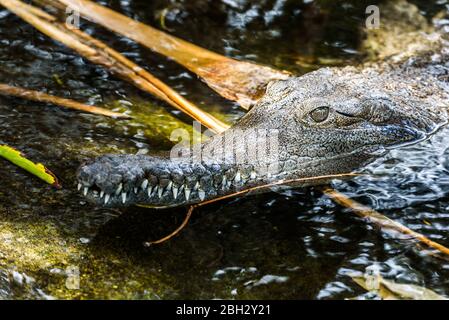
(380, 220)
(27, 94)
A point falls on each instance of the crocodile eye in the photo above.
(319, 114)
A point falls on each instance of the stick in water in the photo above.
(380, 220)
(8, 90)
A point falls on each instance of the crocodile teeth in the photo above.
(123, 197)
(223, 182)
(155, 189)
(159, 192)
(170, 184)
(175, 192)
(253, 175)
(101, 194)
(202, 194)
(144, 184)
(119, 189)
(106, 198)
(187, 193)
(136, 190)
(237, 177)
(86, 189)
(229, 183)
(150, 189)
(79, 186)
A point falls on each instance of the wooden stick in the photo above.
(100, 53)
(381, 220)
(8, 90)
(174, 233)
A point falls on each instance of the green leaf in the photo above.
(38, 169)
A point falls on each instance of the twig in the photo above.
(8, 90)
(381, 220)
(174, 233)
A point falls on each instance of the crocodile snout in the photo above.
(123, 180)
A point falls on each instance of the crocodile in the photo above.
(327, 122)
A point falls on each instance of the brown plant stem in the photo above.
(175, 232)
(380, 220)
(8, 90)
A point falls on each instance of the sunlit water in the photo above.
(291, 244)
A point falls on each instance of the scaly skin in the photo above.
(331, 121)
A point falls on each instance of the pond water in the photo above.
(294, 244)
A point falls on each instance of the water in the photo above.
(295, 244)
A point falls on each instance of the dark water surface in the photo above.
(294, 244)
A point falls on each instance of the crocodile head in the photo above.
(327, 122)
